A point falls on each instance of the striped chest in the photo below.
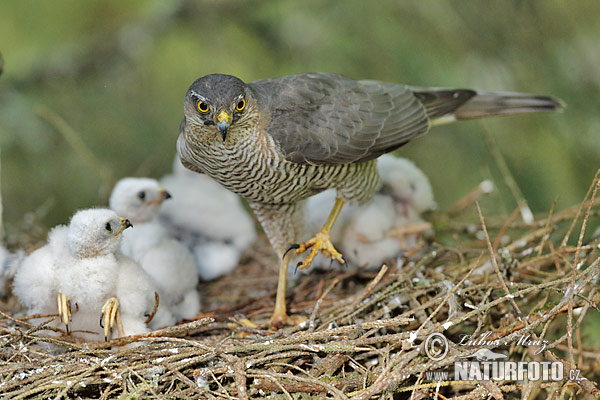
(252, 167)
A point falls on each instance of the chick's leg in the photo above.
(321, 241)
(64, 309)
(110, 316)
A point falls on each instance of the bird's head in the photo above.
(138, 199)
(95, 232)
(216, 104)
(407, 185)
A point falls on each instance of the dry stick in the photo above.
(146, 384)
(579, 208)
(387, 377)
(547, 229)
(585, 384)
(280, 386)
(483, 188)
(252, 373)
(367, 291)
(176, 330)
(315, 312)
(18, 321)
(506, 225)
(186, 380)
(595, 185)
(239, 375)
(450, 293)
(74, 139)
(302, 337)
(495, 263)
(494, 150)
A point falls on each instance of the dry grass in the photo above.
(365, 332)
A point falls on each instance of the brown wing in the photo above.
(324, 118)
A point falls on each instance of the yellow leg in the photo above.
(320, 242)
(280, 316)
(110, 316)
(64, 309)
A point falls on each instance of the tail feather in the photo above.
(447, 105)
(487, 104)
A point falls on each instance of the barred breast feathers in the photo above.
(258, 173)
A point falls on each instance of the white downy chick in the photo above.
(8, 264)
(209, 219)
(169, 263)
(371, 233)
(407, 186)
(34, 283)
(83, 270)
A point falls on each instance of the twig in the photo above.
(177, 330)
(510, 181)
(595, 185)
(367, 291)
(483, 188)
(495, 263)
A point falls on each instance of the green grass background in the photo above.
(117, 72)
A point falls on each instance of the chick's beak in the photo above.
(125, 223)
(223, 123)
(166, 195)
(162, 196)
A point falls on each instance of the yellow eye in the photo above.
(240, 105)
(203, 107)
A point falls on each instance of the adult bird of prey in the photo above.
(278, 141)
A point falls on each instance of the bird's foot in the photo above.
(320, 242)
(64, 309)
(280, 319)
(110, 316)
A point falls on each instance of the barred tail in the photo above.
(447, 105)
(487, 104)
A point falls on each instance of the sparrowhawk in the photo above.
(277, 141)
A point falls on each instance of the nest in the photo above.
(521, 290)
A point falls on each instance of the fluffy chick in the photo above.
(170, 263)
(209, 219)
(82, 265)
(378, 230)
(8, 263)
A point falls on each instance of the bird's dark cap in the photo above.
(217, 87)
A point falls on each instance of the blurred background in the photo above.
(93, 91)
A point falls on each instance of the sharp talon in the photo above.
(295, 246)
(102, 320)
(344, 262)
(64, 309)
(297, 266)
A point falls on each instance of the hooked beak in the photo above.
(164, 195)
(125, 223)
(223, 123)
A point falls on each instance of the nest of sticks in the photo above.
(525, 289)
